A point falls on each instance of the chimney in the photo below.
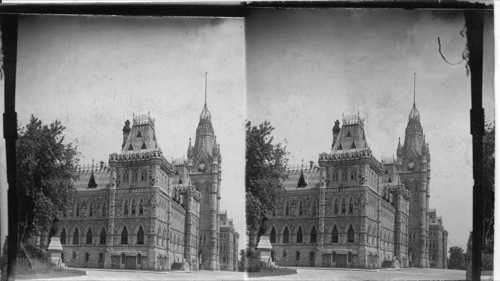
(102, 164)
(126, 131)
(311, 164)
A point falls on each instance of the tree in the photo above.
(45, 173)
(456, 260)
(489, 181)
(265, 172)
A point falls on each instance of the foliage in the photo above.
(45, 173)
(456, 260)
(250, 260)
(489, 180)
(265, 171)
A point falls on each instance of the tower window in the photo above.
(335, 234)
(350, 234)
(348, 134)
(125, 176)
(273, 235)
(139, 135)
(286, 236)
(124, 240)
(313, 235)
(299, 235)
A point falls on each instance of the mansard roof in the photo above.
(352, 135)
(142, 136)
(310, 176)
(102, 177)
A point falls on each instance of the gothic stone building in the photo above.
(352, 210)
(144, 212)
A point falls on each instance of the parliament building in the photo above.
(352, 210)
(142, 211)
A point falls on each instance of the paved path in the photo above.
(303, 274)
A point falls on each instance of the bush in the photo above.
(486, 261)
(250, 261)
(31, 259)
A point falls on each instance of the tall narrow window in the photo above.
(104, 209)
(125, 175)
(87, 257)
(101, 257)
(76, 237)
(351, 206)
(125, 207)
(123, 258)
(297, 256)
(63, 236)
(335, 234)
(89, 237)
(140, 236)
(102, 237)
(286, 236)
(313, 235)
(141, 207)
(273, 235)
(343, 205)
(158, 237)
(314, 209)
(134, 175)
(349, 257)
(133, 207)
(300, 209)
(144, 174)
(344, 175)
(91, 211)
(287, 209)
(353, 173)
(336, 206)
(299, 235)
(350, 234)
(336, 175)
(77, 210)
(124, 236)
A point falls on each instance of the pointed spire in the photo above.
(414, 114)
(302, 181)
(424, 148)
(414, 86)
(92, 183)
(399, 152)
(214, 148)
(190, 150)
(205, 114)
(206, 76)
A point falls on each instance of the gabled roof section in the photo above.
(98, 177)
(142, 136)
(351, 136)
(302, 177)
(302, 181)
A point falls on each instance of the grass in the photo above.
(272, 272)
(52, 274)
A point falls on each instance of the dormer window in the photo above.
(353, 146)
(348, 134)
(139, 135)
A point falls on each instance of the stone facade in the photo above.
(144, 212)
(228, 244)
(351, 210)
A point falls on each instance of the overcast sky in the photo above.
(307, 67)
(93, 73)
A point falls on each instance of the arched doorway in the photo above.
(201, 259)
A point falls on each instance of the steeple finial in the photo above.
(206, 76)
(414, 85)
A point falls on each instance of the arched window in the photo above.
(63, 236)
(344, 175)
(139, 258)
(343, 205)
(140, 236)
(336, 175)
(297, 256)
(299, 235)
(141, 207)
(286, 235)
(353, 174)
(349, 257)
(284, 254)
(300, 209)
(368, 234)
(144, 174)
(133, 207)
(224, 258)
(102, 237)
(134, 175)
(311, 257)
(287, 209)
(351, 206)
(314, 209)
(101, 257)
(76, 237)
(123, 258)
(125, 207)
(158, 238)
(336, 206)
(89, 237)
(87, 257)
(313, 235)
(124, 236)
(273, 235)
(350, 234)
(335, 234)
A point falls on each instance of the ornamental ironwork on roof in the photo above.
(414, 114)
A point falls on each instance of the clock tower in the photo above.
(204, 161)
(414, 171)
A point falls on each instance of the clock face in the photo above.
(201, 166)
(411, 165)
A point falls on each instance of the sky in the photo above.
(93, 73)
(306, 68)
